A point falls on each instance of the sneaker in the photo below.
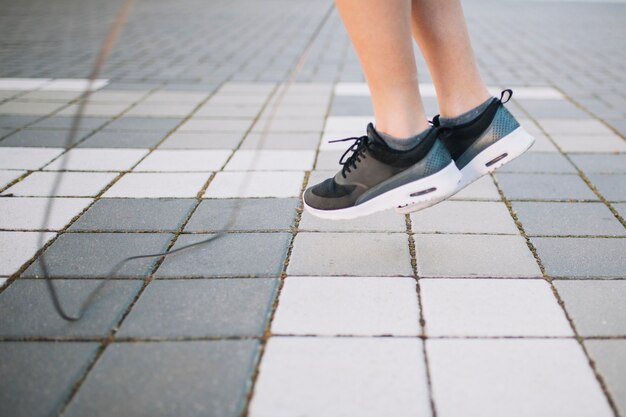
(375, 177)
(482, 145)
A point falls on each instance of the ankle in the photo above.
(401, 128)
(457, 105)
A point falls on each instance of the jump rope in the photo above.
(101, 59)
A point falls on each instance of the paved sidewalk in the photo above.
(507, 300)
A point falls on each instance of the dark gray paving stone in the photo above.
(51, 138)
(233, 254)
(542, 218)
(249, 214)
(92, 255)
(544, 187)
(598, 308)
(610, 359)
(612, 187)
(540, 162)
(124, 139)
(65, 122)
(26, 307)
(201, 308)
(38, 377)
(14, 121)
(162, 124)
(601, 163)
(582, 257)
(201, 378)
(125, 214)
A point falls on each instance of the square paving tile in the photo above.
(158, 185)
(552, 163)
(482, 189)
(589, 143)
(601, 163)
(231, 255)
(27, 158)
(38, 377)
(612, 187)
(464, 217)
(28, 213)
(359, 306)
(178, 386)
(574, 127)
(93, 255)
(474, 255)
(544, 187)
(18, 247)
(201, 308)
(582, 257)
(6, 176)
(610, 359)
(123, 139)
(281, 141)
(21, 318)
(127, 214)
(526, 377)
(355, 254)
(43, 138)
(203, 140)
(271, 160)
(72, 184)
(542, 218)
(255, 184)
(341, 377)
(245, 214)
(383, 221)
(182, 160)
(598, 308)
(491, 307)
(97, 160)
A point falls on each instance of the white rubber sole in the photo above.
(439, 185)
(500, 153)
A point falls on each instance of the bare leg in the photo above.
(441, 32)
(381, 33)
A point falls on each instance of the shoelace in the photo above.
(358, 151)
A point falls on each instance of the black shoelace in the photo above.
(358, 148)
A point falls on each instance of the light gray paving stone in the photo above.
(384, 221)
(151, 109)
(341, 376)
(610, 360)
(273, 140)
(464, 217)
(612, 187)
(7, 176)
(161, 124)
(598, 308)
(245, 214)
(43, 138)
(474, 255)
(328, 160)
(38, 377)
(18, 247)
(28, 213)
(27, 158)
(544, 187)
(93, 255)
(621, 209)
(216, 125)
(601, 163)
(202, 308)
(355, 254)
(542, 144)
(125, 380)
(95, 109)
(582, 257)
(97, 160)
(543, 218)
(158, 185)
(540, 162)
(590, 143)
(481, 189)
(303, 111)
(583, 126)
(27, 309)
(247, 184)
(204, 140)
(289, 124)
(127, 214)
(231, 255)
(123, 139)
(553, 109)
(224, 111)
(491, 308)
(526, 377)
(358, 306)
(71, 184)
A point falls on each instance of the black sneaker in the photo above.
(482, 145)
(375, 177)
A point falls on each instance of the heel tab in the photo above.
(503, 92)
